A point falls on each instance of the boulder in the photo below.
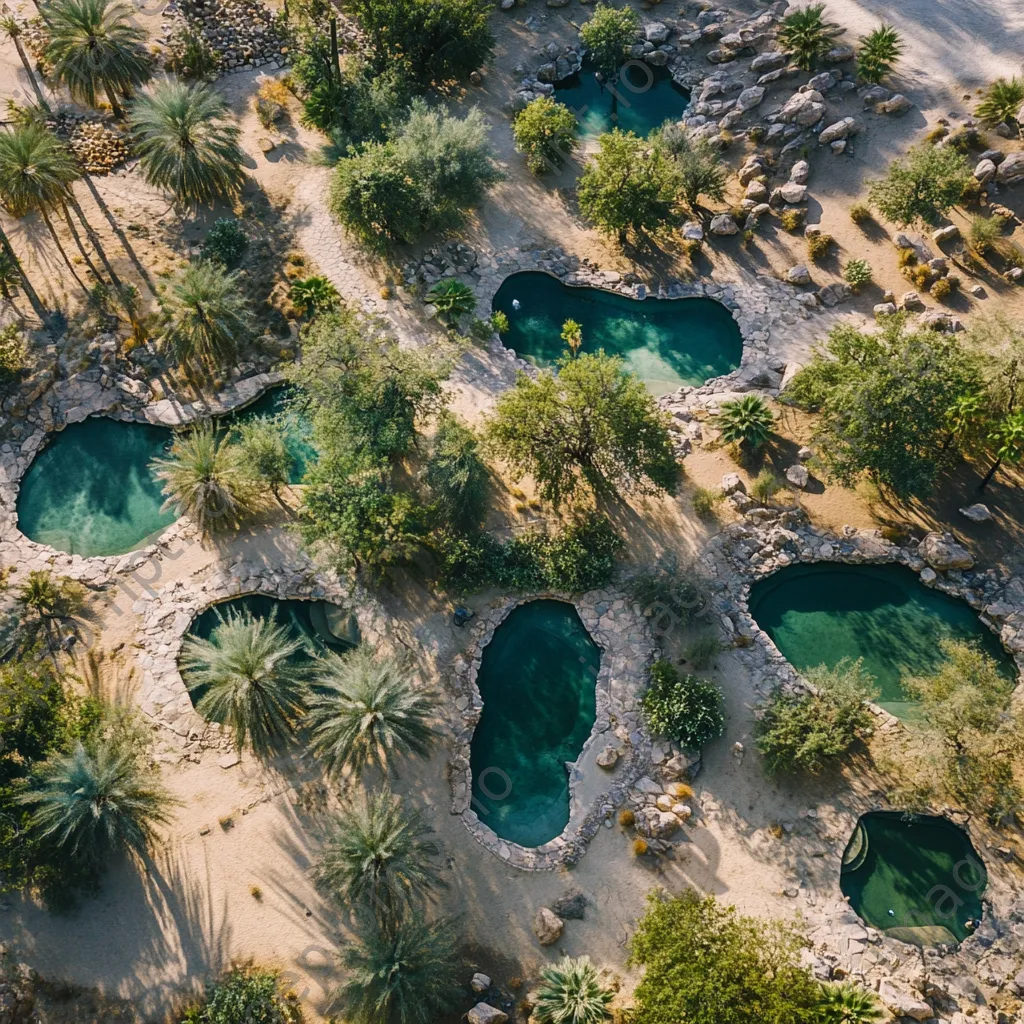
(731, 483)
(942, 552)
(911, 300)
(480, 983)
(768, 61)
(757, 191)
(833, 294)
(753, 168)
(899, 104)
(950, 233)
(884, 309)
(656, 32)
(547, 72)
(902, 1002)
(839, 130)
(902, 240)
(823, 82)
(800, 172)
(875, 94)
(608, 757)
(547, 926)
(484, 1013)
(985, 171)
(798, 274)
(792, 193)
(755, 215)
(803, 108)
(749, 98)
(798, 476)
(656, 824)
(1011, 170)
(839, 54)
(657, 58)
(977, 513)
(723, 224)
(837, 147)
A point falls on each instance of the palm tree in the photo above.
(807, 35)
(379, 854)
(187, 144)
(97, 800)
(879, 51)
(570, 993)
(93, 47)
(13, 29)
(1002, 102)
(409, 974)
(847, 1003)
(1007, 437)
(746, 421)
(206, 319)
(201, 479)
(36, 172)
(364, 711)
(47, 603)
(312, 295)
(253, 676)
(452, 299)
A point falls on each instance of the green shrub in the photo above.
(246, 995)
(12, 354)
(922, 186)
(312, 295)
(704, 501)
(857, 273)
(686, 709)
(1002, 102)
(499, 321)
(986, 234)
(669, 593)
(765, 486)
(942, 289)
(190, 56)
(879, 51)
(607, 36)
(906, 258)
(545, 132)
(452, 299)
(819, 246)
(225, 242)
(806, 34)
(805, 732)
(456, 475)
(792, 220)
(757, 133)
(702, 651)
(745, 421)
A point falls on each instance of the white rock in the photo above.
(792, 193)
(608, 757)
(1011, 170)
(484, 1013)
(656, 32)
(693, 230)
(947, 234)
(902, 1002)
(804, 108)
(800, 172)
(749, 98)
(977, 513)
(928, 575)
(798, 476)
(985, 171)
(798, 274)
(942, 552)
(884, 309)
(731, 483)
(899, 104)
(480, 983)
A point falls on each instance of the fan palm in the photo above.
(452, 299)
(746, 421)
(1007, 439)
(848, 1004)
(1002, 102)
(807, 35)
(879, 51)
(570, 993)
(312, 295)
(366, 712)
(14, 30)
(94, 47)
(187, 144)
(206, 319)
(408, 974)
(379, 854)
(201, 479)
(253, 676)
(97, 800)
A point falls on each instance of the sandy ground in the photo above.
(156, 930)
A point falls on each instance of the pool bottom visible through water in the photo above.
(918, 878)
(537, 681)
(823, 612)
(665, 342)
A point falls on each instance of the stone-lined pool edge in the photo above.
(621, 633)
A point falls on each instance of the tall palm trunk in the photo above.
(61, 250)
(991, 473)
(40, 98)
(93, 239)
(114, 105)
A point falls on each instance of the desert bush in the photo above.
(669, 592)
(942, 289)
(792, 220)
(1002, 102)
(923, 186)
(986, 234)
(499, 321)
(312, 295)
(857, 273)
(879, 51)
(271, 102)
(225, 241)
(686, 709)
(704, 500)
(702, 651)
(765, 486)
(906, 258)
(860, 213)
(806, 34)
(746, 421)
(246, 995)
(819, 246)
(12, 354)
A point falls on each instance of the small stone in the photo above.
(804, 453)
(950, 233)
(800, 172)
(839, 54)
(985, 171)
(911, 300)
(693, 231)
(899, 104)
(884, 309)
(798, 274)
(480, 983)
(731, 483)
(928, 575)
(228, 760)
(942, 552)
(608, 757)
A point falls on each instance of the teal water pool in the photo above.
(90, 491)
(918, 879)
(537, 681)
(640, 99)
(823, 612)
(665, 342)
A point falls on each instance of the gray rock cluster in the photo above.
(242, 33)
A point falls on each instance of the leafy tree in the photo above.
(879, 52)
(607, 36)
(807, 35)
(806, 732)
(628, 186)
(885, 400)
(246, 995)
(546, 132)
(700, 167)
(686, 709)
(202, 480)
(225, 242)
(456, 475)
(366, 712)
(98, 800)
(592, 421)
(848, 1003)
(571, 993)
(409, 974)
(251, 676)
(1002, 103)
(452, 299)
(93, 47)
(748, 420)
(1007, 440)
(206, 319)
(187, 143)
(262, 453)
(380, 856)
(706, 964)
(438, 42)
(923, 186)
(313, 295)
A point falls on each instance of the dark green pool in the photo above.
(537, 681)
(639, 100)
(90, 491)
(665, 342)
(882, 613)
(917, 879)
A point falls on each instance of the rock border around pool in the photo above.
(165, 620)
(98, 393)
(627, 650)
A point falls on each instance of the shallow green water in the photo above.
(639, 100)
(665, 342)
(90, 491)
(536, 679)
(881, 613)
(918, 879)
